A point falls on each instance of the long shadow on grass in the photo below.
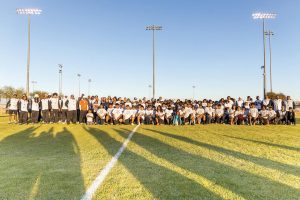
(40, 166)
(163, 183)
(260, 161)
(245, 184)
(265, 143)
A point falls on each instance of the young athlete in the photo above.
(209, 113)
(23, 107)
(83, 107)
(90, 118)
(291, 116)
(71, 104)
(253, 114)
(219, 114)
(272, 115)
(45, 104)
(127, 115)
(35, 109)
(12, 106)
(149, 115)
(64, 109)
(159, 116)
(169, 115)
(101, 112)
(109, 118)
(141, 115)
(54, 108)
(264, 115)
(117, 114)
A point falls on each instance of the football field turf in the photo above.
(160, 162)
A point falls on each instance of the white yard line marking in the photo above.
(102, 175)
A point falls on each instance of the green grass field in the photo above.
(160, 162)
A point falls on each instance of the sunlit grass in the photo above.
(160, 162)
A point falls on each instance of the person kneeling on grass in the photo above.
(127, 114)
(101, 112)
(160, 116)
(117, 114)
(264, 116)
(253, 115)
(291, 116)
(219, 114)
(141, 115)
(281, 116)
(90, 118)
(272, 115)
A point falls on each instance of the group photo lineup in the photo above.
(149, 100)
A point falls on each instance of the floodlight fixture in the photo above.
(260, 15)
(29, 11)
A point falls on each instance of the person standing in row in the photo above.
(12, 106)
(71, 104)
(35, 109)
(64, 109)
(54, 108)
(45, 108)
(83, 107)
(23, 107)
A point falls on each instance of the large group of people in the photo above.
(112, 110)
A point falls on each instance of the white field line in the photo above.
(102, 175)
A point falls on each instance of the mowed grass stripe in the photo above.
(272, 174)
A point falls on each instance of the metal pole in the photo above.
(194, 92)
(79, 86)
(270, 48)
(28, 58)
(265, 80)
(153, 64)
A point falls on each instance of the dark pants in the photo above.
(45, 114)
(72, 116)
(23, 117)
(82, 117)
(148, 120)
(35, 116)
(64, 115)
(54, 116)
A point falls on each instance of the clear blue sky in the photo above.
(213, 44)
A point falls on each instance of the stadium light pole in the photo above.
(149, 86)
(33, 83)
(270, 34)
(194, 92)
(28, 12)
(153, 28)
(60, 66)
(89, 86)
(79, 75)
(263, 17)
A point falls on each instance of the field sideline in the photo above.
(160, 162)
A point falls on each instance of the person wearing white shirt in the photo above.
(239, 116)
(231, 115)
(272, 115)
(127, 114)
(35, 108)
(101, 113)
(253, 115)
(54, 108)
(141, 115)
(149, 115)
(277, 104)
(289, 103)
(64, 109)
(219, 114)
(117, 114)
(282, 115)
(159, 116)
(12, 106)
(200, 114)
(240, 102)
(23, 107)
(189, 117)
(169, 115)
(134, 111)
(209, 112)
(45, 109)
(266, 102)
(71, 103)
(264, 115)
(109, 118)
